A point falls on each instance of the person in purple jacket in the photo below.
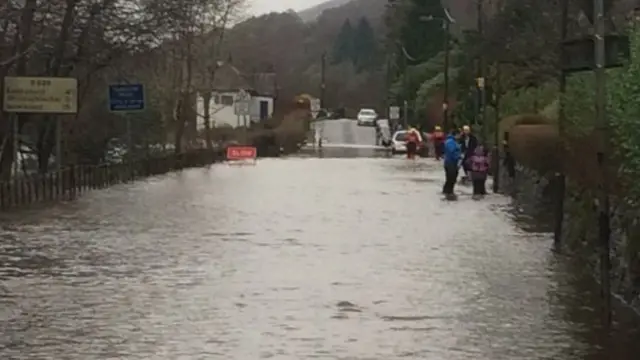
(478, 165)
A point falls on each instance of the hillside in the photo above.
(465, 11)
(312, 13)
(293, 48)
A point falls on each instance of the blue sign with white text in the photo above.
(126, 97)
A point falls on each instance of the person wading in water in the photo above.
(478, 165)
(468, 144)
(413, 139)
(452, 157)
(438, 137)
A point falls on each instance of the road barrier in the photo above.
(75, 180)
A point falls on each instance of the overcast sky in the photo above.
(264, 6)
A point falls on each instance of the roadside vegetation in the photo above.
(166, 45)
(522, 67)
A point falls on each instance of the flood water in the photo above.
(333, 258)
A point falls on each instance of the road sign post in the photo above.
(125, 98)
(39, 95)
(314, 106)
(242, 106)
(394, 112)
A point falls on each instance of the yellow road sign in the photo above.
(54, 95)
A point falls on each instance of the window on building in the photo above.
(216, 99)
(226, 100)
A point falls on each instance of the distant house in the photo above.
(228, 82)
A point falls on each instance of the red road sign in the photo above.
(242, 153)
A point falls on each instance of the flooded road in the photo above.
(346, 131)
(293, 259)
(343, 138)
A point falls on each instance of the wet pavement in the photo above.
(298, 258)
(346, 131)
(343, 138)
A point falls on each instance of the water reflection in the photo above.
(293, 259)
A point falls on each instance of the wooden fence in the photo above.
(73, 181)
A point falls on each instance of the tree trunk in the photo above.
(4, 130)
(22, 44)
(179, 128)
(46, 143)
(206, 99)
(188, 88)
(47, 139)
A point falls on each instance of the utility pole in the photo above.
(323, 64)
(405, 92)
(602, 127)
(560, 177)
(480, 73)
(496, 136)
(445, 103)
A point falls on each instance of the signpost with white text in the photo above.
(314, 106)
(126, 98)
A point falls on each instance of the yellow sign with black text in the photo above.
(44, 95)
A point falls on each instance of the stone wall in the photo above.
(534, 192)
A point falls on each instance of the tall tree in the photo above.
(364, 45)
(343, 45)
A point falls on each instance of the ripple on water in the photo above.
(291, 259)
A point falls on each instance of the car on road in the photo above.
(367, 117)
(399, 143)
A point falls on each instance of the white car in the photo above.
(399, 142)
(367, 117)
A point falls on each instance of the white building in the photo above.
(228, 83)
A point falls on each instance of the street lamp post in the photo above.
(446, 26)
(405, 64)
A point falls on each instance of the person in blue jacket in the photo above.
(452, 157)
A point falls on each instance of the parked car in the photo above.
(367, 117)
(399, 142)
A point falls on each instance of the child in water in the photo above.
(479, 165)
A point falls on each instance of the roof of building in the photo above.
(229, 78)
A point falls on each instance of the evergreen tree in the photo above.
(343, 45)
(364, 45)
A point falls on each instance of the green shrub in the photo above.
(624, 114)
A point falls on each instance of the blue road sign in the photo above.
(126, 97)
